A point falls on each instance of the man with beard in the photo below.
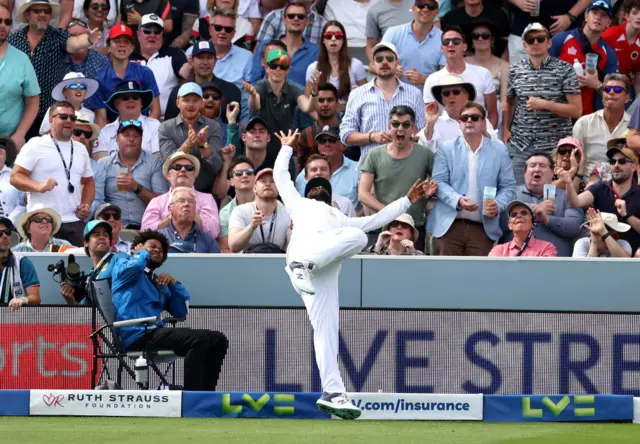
(20, 93)
(19, 284)
(139, 292)
(322, 238)
(47, 48)
(619, 196)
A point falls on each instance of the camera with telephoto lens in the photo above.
(71, 275)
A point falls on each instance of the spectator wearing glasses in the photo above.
(247, 24)
(474, 12)
(132, 11)
(169, 65)
(624, 38)
(61, 19)
(334, 63)
(454, 48)
(569, 157)
(383, 15)
(366, 118)
(128, 102)
(37, 228)
(20, 93)
(203, 62)
(593, 131)
(87, 133)
(522, 223)
(543, 95)
(20, 284)
(398, 238)
(574, 45)
(418, 43)
(212, 108)
(112, 214)
(134, 176)
(75, 88)
(120, 41)
(273, 26)
(619, 196)
(12, 201)
(58, 174)
(242, 177)
(51, 48)
(99, 14)
(353, 15)
(393, 168)
(88, 61)
(462, 221)
(302, 53)
(604, 240)
(181, 170)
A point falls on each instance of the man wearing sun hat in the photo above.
(48, 57)
(75, 88)
(605, 237)
(86, 133)
(181, 170)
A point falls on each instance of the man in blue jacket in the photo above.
(138, 292)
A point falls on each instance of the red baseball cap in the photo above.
(118, 30)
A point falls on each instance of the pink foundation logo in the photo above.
(52, 400)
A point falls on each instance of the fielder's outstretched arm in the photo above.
(385, 216)
(282, 178)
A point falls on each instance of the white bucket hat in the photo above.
(70, 79)
(452, 80)
(406, 219)
(55, 9)
(38, 208)
(611, 221)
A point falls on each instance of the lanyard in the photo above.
(67, 171)
(525, 244)
(273, 220)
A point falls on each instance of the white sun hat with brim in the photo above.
(73, 78)
(611, 221)
(406, 219)
(451, 80)
(55, 9)
(38, 208)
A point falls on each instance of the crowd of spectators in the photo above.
(161, 114)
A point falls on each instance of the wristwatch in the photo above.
(572, 17)
(625, 218)
(138, 189)
(206, 146)
(605, 236)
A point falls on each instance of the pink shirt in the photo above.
(536, 247)
(206, 207)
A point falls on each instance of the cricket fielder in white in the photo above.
(322, 238)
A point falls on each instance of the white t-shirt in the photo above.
(582, 245)
(344, 205)
(356, 73)
(107, 140)
(353, 16)
(448, 129)
(249, 9)
(41, 157)
(280, 234)
(478, 76)
(46, 126)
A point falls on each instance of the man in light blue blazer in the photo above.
(462, 221)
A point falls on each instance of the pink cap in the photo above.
(570, 141)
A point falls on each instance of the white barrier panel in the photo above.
(636, 410)
(165, 403)
(418, 406)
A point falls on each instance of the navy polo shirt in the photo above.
(604, 200)
(108, 80)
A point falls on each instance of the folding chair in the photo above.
(107, 345)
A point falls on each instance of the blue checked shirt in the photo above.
(273, 26)
(368, 111)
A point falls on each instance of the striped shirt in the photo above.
(368, 111)
(554, 80)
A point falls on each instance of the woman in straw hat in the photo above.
(36, 228)
(398, 238)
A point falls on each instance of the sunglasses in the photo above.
(326, 100)
(154, 31)
(473, 117)
(276, 65)
(248, 171)
(127, 97)
(80, 86)
(388, 58)
(40, 219)
(454, 91)
(6, 232)
(7, 21)
(456, 41)
(522, 213)
(227, 29)
(212, 96)
(127, 123)
(481, 35)
(619, 161)
(77, 23)
(108, 216)
(179, 167)
(40, 10)
(563, 150)
(429, 6)
(331, 34)
(96, 6)
(325, 140)
(538, 39)
(78, 132)
(65, 116)
(406, 124)
(298, 16)
(615, 89)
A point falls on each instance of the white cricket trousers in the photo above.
(327, 251)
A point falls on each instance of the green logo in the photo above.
(258, 404)
(557, 408)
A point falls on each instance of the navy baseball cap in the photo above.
(253, 121)
(601, 4)
(203, 46)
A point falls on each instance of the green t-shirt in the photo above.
(17, 81)
(394, 177)
(225, 214)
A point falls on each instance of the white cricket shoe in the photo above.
(339, 405)
(302, 278)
